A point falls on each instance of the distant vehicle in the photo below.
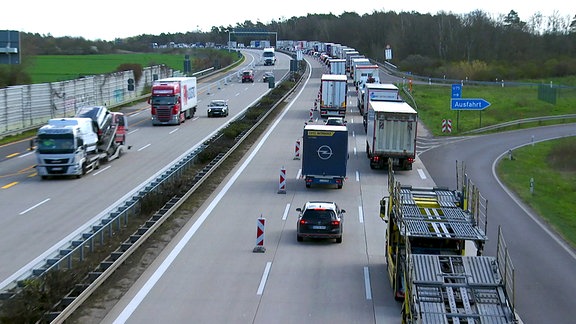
(335, 121)
(320, 219)
(173, 100)
(269, 56)
(247, 76)
(218, 107)
(267, 75)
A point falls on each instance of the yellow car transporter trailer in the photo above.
(434, 221)
(459, 289)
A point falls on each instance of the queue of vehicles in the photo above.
(97, 134)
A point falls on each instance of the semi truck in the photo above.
(337, 66)
(173, 100)
(269, 56)
(75, 146)
(333, 95)
(391, 133)
(366, 74)
(324, 154)
(435, 239)
(375, 92)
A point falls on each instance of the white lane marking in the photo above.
(357, 176)
(422, 174)
(147, 287)
(38, 204)
(102, 170)
(360, 215)
(26, 154)
(299, 174)
(286, 211)
(367, 283)
(264, 278)
(143, 147)
(134, 131)
(355, 151)
(174, 131)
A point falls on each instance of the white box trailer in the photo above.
(333, 95)
(391, 133)
(337, 66)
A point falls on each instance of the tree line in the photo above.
(474, 45)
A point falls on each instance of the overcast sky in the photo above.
(110, 19)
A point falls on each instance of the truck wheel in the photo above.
(308, 185)
(339, 186)
(339, 239)
(299, 238)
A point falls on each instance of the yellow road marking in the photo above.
(9, 185)
(12, 155)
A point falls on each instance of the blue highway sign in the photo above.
(456, 91)
(469, 104)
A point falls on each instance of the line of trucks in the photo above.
(390, 123)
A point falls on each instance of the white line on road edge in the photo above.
(357, 176)
(286, 211)
(143, 292)
(422, 174)
(174, 131)
(299, 174)
(360, 215)
(264, 278)
(367, 283)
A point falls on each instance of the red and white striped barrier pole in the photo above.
(297, 150)
(282, 187)
(261, 223)
(311, 116)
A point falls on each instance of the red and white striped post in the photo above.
(311, 116)
(282, 186)
(261, 223)
(297, 150)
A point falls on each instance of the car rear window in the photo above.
(318, 215)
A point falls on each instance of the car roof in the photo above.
(320, 205)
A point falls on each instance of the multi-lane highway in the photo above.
(210, 273)
(38, 214)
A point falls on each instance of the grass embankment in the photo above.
(507, 104)
(552, 166)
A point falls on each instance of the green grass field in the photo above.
(50, 68)
(507, 104)
(552, 166)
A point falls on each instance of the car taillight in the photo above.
(303, 222)
(335, 223)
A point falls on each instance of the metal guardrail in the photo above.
(520, 122)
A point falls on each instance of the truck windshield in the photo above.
(268, 54)
(56, 144)
(163, 100)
